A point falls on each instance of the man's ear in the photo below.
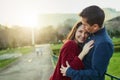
(96, 27)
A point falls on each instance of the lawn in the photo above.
(114, 65)
(23, 50)
(116, 40)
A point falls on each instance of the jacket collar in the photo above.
(102, 30)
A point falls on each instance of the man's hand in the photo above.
(64, 69)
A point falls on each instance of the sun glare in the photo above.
(29, 20)
(23, 19)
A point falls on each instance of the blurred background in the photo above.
(51, 20)
(26, 23)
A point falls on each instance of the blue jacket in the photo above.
(97, 60)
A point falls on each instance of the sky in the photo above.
(26, 12)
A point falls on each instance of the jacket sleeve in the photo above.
(69, 54)
(100, 61)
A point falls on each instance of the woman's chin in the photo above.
(81, 41)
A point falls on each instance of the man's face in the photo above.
(89, 28)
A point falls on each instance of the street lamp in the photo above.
(33, 39)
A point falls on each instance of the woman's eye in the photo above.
(87, 33)
(80, 31)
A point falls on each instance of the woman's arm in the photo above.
(86, 49)
(69, 53)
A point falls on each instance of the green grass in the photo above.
(114, 65)
(56, 46)
(116, 40)
(23, 50)
(6, 62)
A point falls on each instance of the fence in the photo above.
(55, 58)
(112, 77)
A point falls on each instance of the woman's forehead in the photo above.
(81, 27)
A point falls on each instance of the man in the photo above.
(97, 60)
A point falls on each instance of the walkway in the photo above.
(30, 67)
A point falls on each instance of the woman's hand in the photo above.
(86, 49)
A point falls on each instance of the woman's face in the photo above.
(81, 34)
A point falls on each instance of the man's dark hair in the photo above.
(94, 15)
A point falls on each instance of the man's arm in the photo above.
(100, 60)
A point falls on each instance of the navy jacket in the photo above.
(97, 60)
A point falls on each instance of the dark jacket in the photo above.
(97, 60)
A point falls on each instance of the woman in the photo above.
(70, 51)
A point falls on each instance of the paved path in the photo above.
(31, 67)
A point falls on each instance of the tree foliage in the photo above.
(20, 36)
(113, 26)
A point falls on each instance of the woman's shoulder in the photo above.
(69, 43)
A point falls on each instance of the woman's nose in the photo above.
(85, 27)
(83, 34)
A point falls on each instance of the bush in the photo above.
(117, 48)
(116, 43)
(56, 52)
